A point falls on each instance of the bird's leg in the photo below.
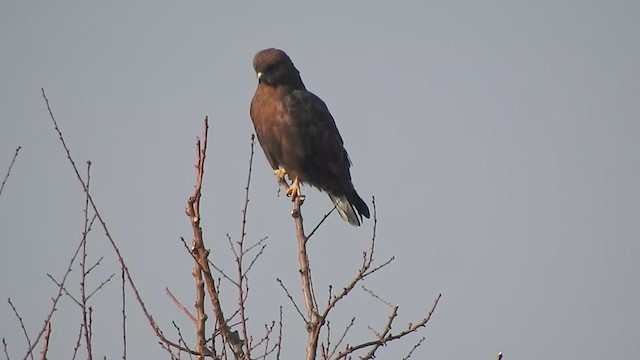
(294, 190)
(280, 173)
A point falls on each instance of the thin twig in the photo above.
(112, 242)
(83, 264)
(6, 176)
(390, 337)
(5, 349)
(255, 258)
(375, 296)
(321, 221)
(124, 313)
(94, 265)
(344, 335)
(179, 305)
(365, 268)
(102, 284)
(324, 347)
(224, 275)
(77, 346)
(268, 329)
(242, 288)
(279, 343)
(55, 299)
(24, 330)
(383, 334)
(64, 289)
(202, 255)
(295, 305)
(413, 349)
(181, 339)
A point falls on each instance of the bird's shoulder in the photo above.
(303, 103)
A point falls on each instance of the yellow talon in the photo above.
(280, 173)
(294, 190)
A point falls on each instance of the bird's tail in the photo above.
(347, 209)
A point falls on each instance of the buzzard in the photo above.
(300, 137)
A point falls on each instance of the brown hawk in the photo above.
(299, 136)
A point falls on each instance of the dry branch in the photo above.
(45, 347)
(202, 270)
(24, 330)
(13, 160)
(164, 341)
(389, 337)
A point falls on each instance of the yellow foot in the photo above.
(280, 173)
(294, 191)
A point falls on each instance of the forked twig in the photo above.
(202, 270)
(24, 330)
(389, 337)
(5, 348)
(112, 242)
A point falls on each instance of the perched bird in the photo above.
(299, 136)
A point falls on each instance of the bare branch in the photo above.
(24, 330)
(389, 337)
(375, 296)
(5, 348)
(255, 258)
(64, 289)
(320, 223)
(365, 268)
(292, 300)
(180, 337)
(243, 287)
(179, 305)
(112, 242)
(102, 284)
(6, 176)
(278, 345)
(202, 270)
(387, 329)
(83, 264)
(45, 347)
(124, 313)
(94, 265)
(268, 329)
(314, 320)
(344, 335)
(224, 275)
(414, 348)
(77, 346)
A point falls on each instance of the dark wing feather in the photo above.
(325, 159)
(325, 162)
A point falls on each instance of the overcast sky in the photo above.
(500, 139)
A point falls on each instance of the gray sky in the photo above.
(500, 139)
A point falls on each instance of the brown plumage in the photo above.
(299, 136)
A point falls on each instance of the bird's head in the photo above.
(273, 67)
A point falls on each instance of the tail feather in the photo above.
(347, 210)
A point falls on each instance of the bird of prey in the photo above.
(300, 137)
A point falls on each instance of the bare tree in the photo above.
(228, 335)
